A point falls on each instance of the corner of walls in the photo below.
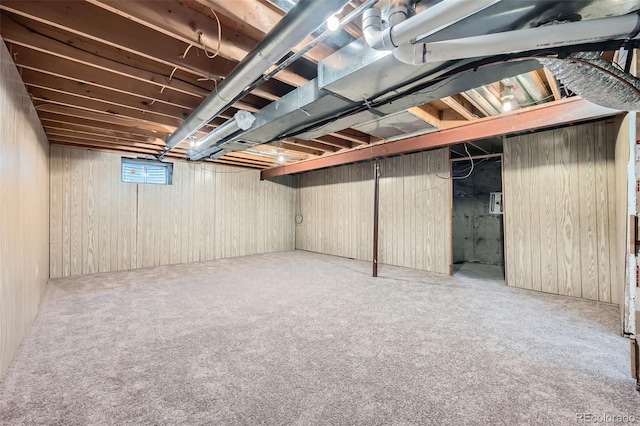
(24, 223)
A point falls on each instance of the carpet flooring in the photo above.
(298, 338)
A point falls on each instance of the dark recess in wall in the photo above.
(477, 234)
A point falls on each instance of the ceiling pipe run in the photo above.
(292, 29)
(242, 120)
(545, 37)
(402, 30)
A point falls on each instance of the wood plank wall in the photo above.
(415, 211)
(100, 224)
(24, 197)
(560, 212)
(336, 208)
(625, 186)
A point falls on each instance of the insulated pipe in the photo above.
(293, 28)
(242, 120)
(546, 37)
(402, 30)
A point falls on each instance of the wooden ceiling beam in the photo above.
(56, 66)
(456, 104)
(76, 49)
(252, 156)
(187, 26)
(86, 143)
(353, 135)
(85, 123)
(75, 136)
(52, 41)
(553, 84)
(428, 114)
(113, 150)
(147, 106)
(300, 148)
(257, 19)
(475, 104)
(102, 117)
(48, 96)
(334, 141)
(80, 17)
(571, 110)
(99, 132)
(315, 145)
(259, 162)
(228, 162)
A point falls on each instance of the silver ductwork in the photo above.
(595, 79)
(292, 29)
(359, 86)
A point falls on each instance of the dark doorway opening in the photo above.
(478, 230)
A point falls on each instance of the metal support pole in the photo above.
(376, 208)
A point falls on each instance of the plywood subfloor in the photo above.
(302, 338)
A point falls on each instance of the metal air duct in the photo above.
(595, 79)
(292, 29)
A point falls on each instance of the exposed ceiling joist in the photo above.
(191, 28)
(255, 18)
(568, 111)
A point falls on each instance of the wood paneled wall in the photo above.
(100, 224)
(24, 211)
(625, 206)
(415, 211)
(560, 212)
(336, 208)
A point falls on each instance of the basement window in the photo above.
(146, 171)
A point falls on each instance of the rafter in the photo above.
(553, 84)
(315, 145)
(109, 128)
(49, 96)
(189, 26)
(58, 67)
(251, 17)
(101, 117)
(428, 114)
(475, 104)
(456, 104)
(334, 141)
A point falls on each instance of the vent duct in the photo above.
(292, 29)
(597, 80)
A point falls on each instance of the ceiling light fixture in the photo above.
(508, 99)
(333, 23)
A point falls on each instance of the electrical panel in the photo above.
(495, 203)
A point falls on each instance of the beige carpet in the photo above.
(299, 338)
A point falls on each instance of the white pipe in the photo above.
(242, 120)
(540, 38)
(402, 30)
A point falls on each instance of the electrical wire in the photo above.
(202, 40)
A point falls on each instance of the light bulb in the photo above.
(333, 23)
(280, 158)
(507, 106)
